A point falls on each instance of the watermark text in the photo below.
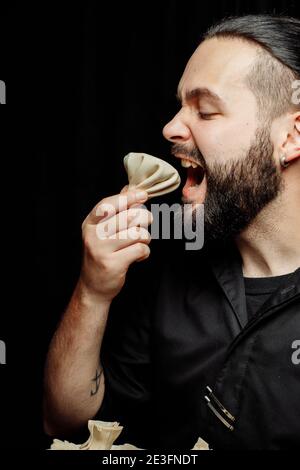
(296, 93)
(2, 92)
(2, 352)
(296, 353)
(179, 222)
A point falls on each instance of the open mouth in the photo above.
(195, 186)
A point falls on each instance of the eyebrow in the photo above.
(198, 93)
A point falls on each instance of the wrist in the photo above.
(90, 295)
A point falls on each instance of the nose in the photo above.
(176, 130)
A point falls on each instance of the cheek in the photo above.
(224, 139)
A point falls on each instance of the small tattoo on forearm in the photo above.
(96, 379)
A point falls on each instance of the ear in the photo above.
(291, 148)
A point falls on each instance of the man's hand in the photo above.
(114, 236)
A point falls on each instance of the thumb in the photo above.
(125, 189)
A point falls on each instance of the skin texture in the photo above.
(74, 379)
(222, 134)
(269, 245)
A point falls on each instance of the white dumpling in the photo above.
(102, 437)
(151, 174)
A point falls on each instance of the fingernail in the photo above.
(141, 195)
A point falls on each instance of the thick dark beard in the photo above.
(237, 191)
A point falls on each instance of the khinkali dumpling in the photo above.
(151, 174)
(102, 437)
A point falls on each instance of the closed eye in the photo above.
(206, 116)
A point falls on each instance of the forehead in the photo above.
(219, 64)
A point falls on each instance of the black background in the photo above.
(87, 82)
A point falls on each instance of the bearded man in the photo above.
(213, 350)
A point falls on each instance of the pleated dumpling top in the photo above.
(151, 174)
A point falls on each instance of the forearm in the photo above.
(74, 380)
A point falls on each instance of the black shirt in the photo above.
(258, 290)
(185, 327)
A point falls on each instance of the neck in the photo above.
(270, 246)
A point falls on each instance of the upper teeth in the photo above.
(188, 164)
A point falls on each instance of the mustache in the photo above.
(193, 153)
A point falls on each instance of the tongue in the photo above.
(193, 191)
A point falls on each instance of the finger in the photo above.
(110, 206)
(124, 220)
(125, 189)
(120, 240)
(133, 253)
(127, 237)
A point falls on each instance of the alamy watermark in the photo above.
(2, 352)
(176, 221)
(296, 353)
(2, 92)
(296, 93)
